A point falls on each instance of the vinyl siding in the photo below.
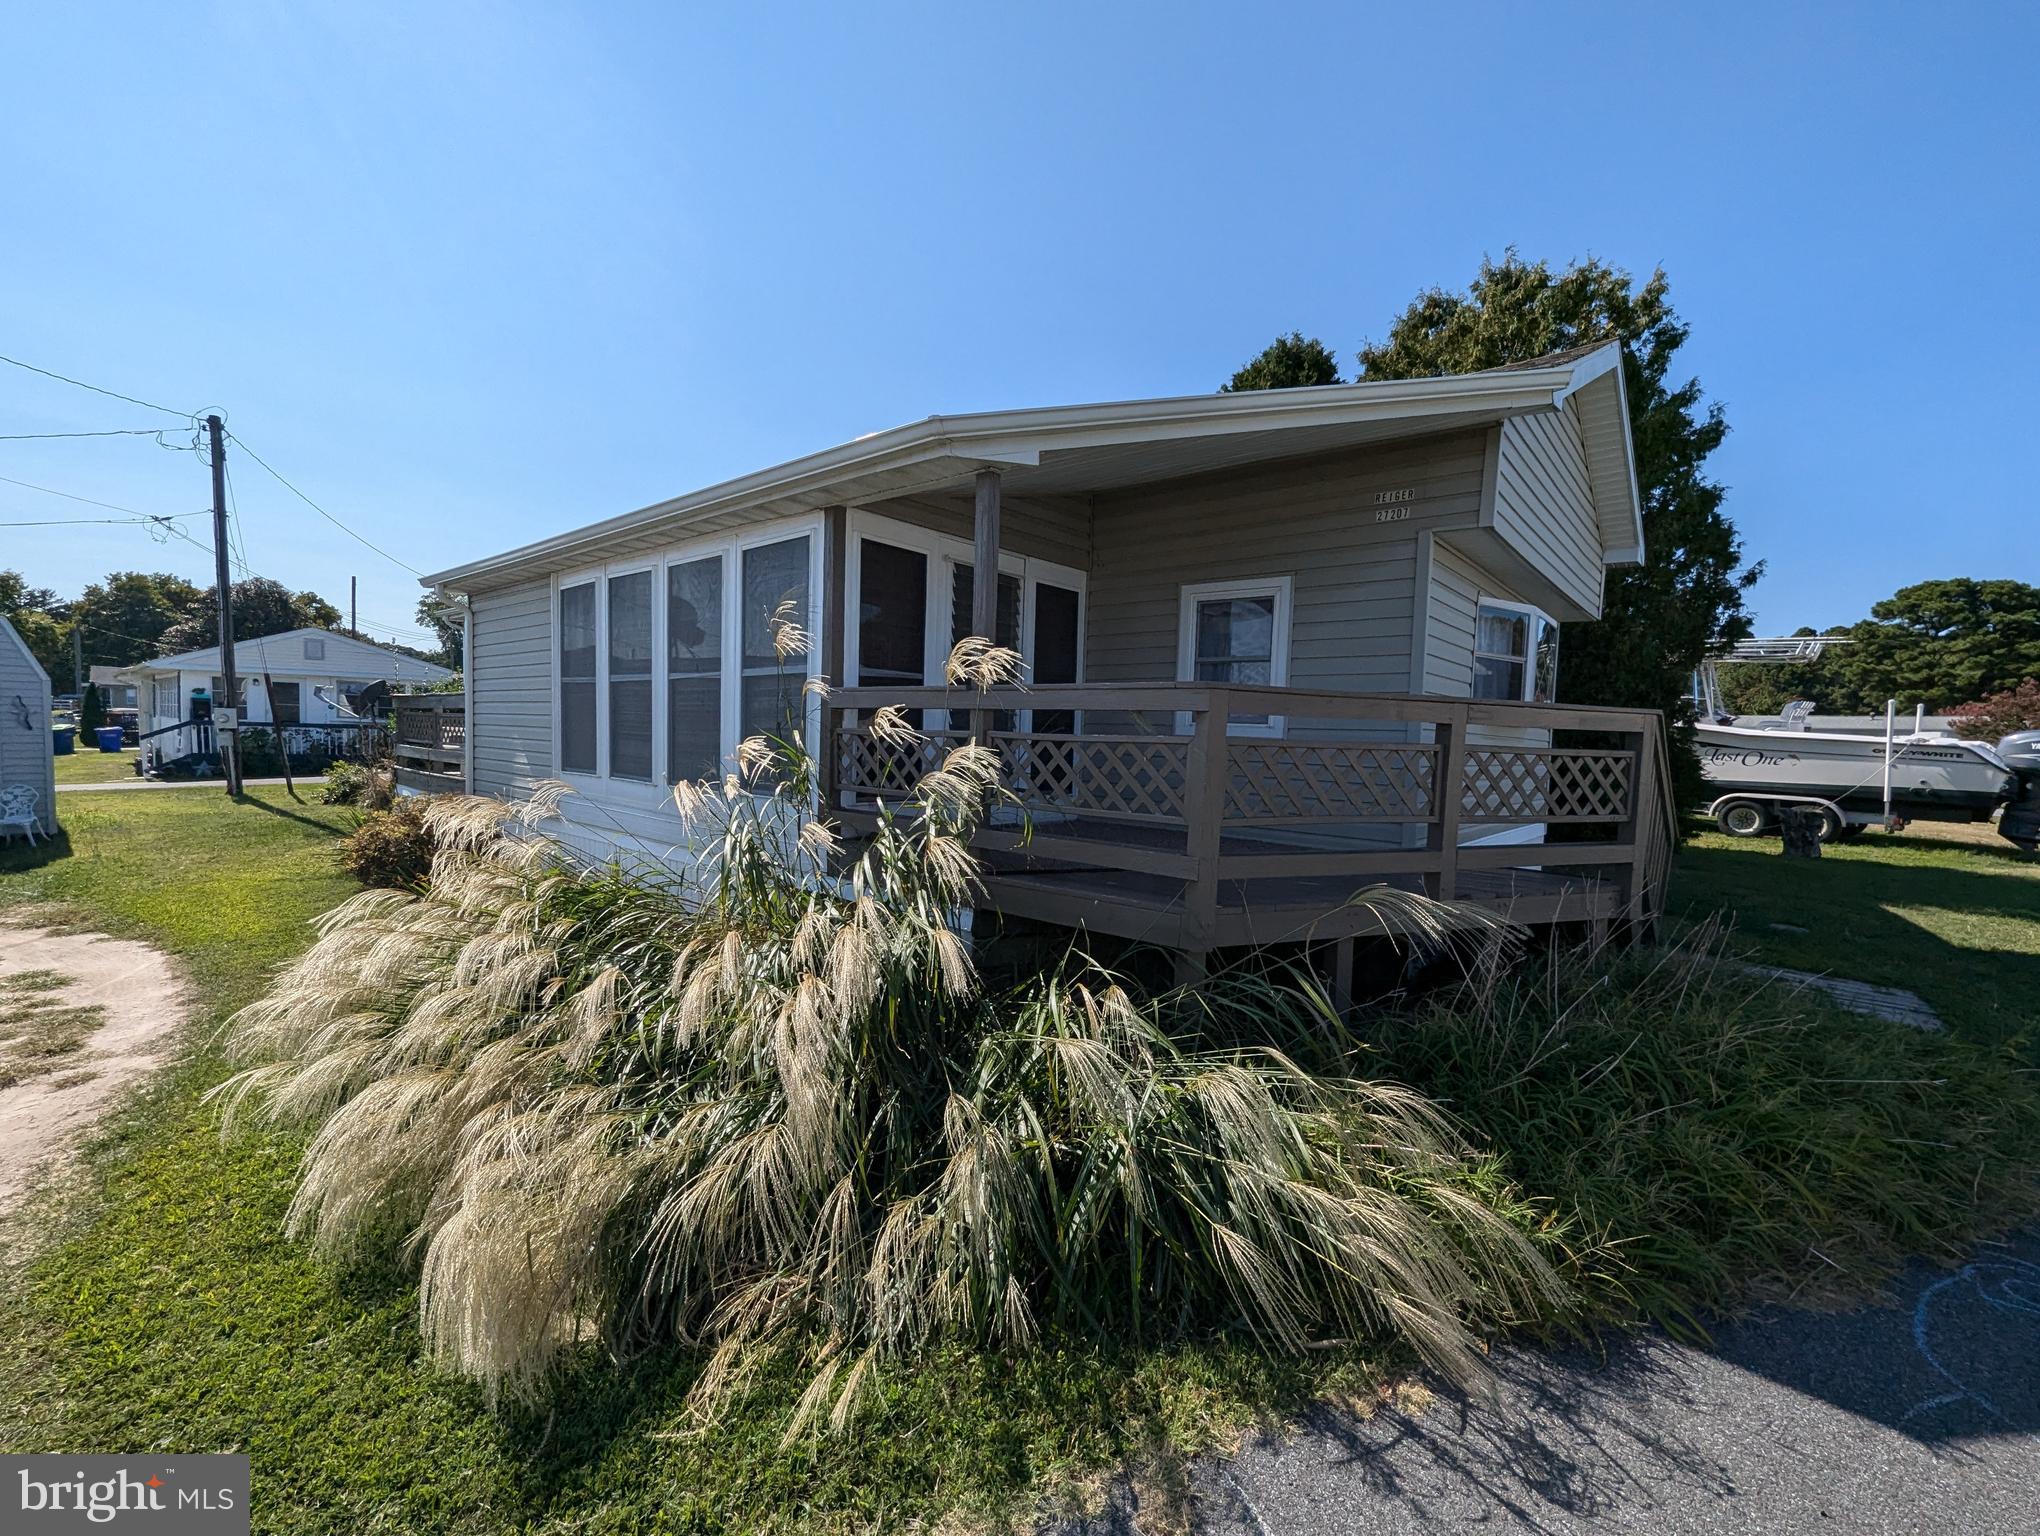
(25, 750)
(1315, 522)
(1544, 506)
(1457, 585)
(1353, 578)
(510, 689)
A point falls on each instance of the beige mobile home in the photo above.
(1280, 645)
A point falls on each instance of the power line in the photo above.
(81, 384)
(65, 522)
(329, 517)
(26, 437)
(47, 490)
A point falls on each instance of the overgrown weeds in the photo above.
(781, 1116)
(1716, 1133)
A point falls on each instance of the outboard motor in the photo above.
(2020, 821)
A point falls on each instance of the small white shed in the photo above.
(25, 756)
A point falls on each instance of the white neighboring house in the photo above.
(25, 755)
(314, 676)
(114, 690)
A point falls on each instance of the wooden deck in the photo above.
(1124, 822)
(429, 742)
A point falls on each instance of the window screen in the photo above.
(694, 652)
(577, 678)
(630, 676)
(775, 638)
(892, 614)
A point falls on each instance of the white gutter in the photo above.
(1020, 438)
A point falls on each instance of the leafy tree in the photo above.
(17, 596)
(38, 616)
(444, 620)
(1288, 362)
(125, 616)
(261, 607)
(2016, 709)
(1659, 618)
(1937, 643)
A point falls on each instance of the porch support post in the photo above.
(835, 617)
(1449, 736)
(984, 595)
(1207, 769)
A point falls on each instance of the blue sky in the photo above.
(469, 275)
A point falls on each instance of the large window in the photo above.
(1237, 632)
(776, 639)
(665, 666)
(694, 653)
(630, 676)
(1515, 653)
(577, 678)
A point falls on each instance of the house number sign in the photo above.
(1393, 506)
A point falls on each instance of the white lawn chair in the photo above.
(17, 810)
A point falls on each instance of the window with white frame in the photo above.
(1237, 632)
(577, 678)
(630, 676)
(665, 665)
(694, 657)
(1515, 653)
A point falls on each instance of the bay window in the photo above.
(1515, 653)
(664, 665)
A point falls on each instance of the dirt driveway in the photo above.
(82, 1017)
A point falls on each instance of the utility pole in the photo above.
(230, 751)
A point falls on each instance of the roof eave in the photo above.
(1021, 437)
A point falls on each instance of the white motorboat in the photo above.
(1856, 777)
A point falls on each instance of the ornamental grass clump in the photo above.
(1714, 1132)
(782, 1116)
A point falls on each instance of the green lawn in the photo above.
(1954, 917)
(167, 1309)
(89, 765)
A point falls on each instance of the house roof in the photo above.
(285, 655)
(1080, 449)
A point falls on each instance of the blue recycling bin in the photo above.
(110, 737)
(63, 739)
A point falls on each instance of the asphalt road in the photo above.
(1919, 1416)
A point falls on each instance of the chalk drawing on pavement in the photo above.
(2003, 1286)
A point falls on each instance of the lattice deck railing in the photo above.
(1200, 798)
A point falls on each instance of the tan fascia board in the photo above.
(1019, 438)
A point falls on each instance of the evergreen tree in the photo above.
(1288, 362)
